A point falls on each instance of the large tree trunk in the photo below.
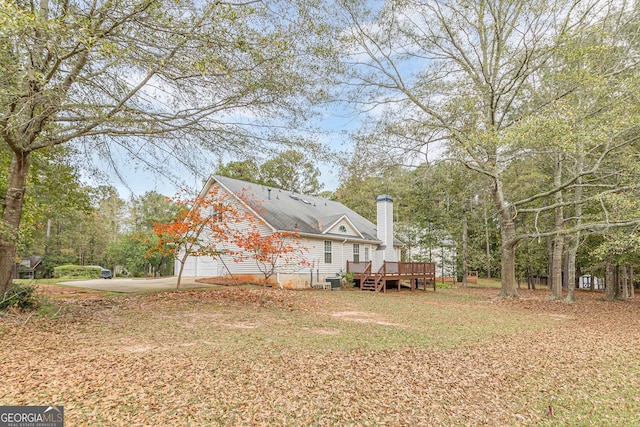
(571, 269)
(558, 240)
(11, 214)
(556, 274)
(487, 242)
(610, 282)
(574, 244)
(549, 243)
(508, 243)
(508, 264)
(464, 249)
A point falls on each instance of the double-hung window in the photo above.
(327, 252)
(356, 252)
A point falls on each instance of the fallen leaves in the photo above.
(206, 357)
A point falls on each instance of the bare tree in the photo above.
(152, 80)
(474, 74)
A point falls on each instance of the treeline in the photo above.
(446, 206)
(66, 222)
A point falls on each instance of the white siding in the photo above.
(343, 227)
(245, 266)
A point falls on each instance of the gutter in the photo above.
(338, 237)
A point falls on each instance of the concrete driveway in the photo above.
(137, 285)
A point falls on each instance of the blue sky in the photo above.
(136, 179)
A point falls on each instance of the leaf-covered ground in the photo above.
(216, 357)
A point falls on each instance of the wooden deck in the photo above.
(417, 273)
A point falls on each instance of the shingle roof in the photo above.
(288, 211)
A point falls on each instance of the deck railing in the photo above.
(392, 270)
(357, 267)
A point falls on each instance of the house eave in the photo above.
(337, 237)
(345, 218)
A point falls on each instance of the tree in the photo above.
(149, 208)
(365, 175)
(130, 248)
(130, 78)
(469, 77)
(56, 192)
(132, 251)
(246, 170)
(205, 226)
(619, 252)
(273, 252)
(291, 170)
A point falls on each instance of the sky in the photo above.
(134, 179)
(335, 125)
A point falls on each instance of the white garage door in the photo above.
(206, 266)
(202, 266)
(189, 267)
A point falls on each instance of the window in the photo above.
(327, 252)
(216, 214)
(342, 229)
(366, 253)
(356, 252)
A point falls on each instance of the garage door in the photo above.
(206, 266)
(189, 267)
(202, 266)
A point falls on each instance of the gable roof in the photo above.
(309, 215)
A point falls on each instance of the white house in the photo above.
(331, 233)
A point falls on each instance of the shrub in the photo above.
(348, 278)
(77, 272)
(20, 296)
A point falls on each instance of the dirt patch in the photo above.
(59, 292)
(362, 317)
(323, 331)
(140, 348)
(242, 325)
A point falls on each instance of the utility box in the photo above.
(335, 282)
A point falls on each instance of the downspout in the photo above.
(344, 257)
(278, 281)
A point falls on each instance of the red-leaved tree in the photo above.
(224, 224)
(204, 227)
(276, 252)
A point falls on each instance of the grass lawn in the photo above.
(217, 357)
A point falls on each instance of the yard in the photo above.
(216, 357)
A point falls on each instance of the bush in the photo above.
(20, 296)
(49, 263)
(348, 278)
(77, 272)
